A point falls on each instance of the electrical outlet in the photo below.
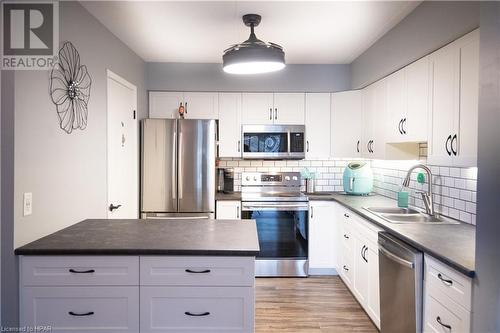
(28, 204)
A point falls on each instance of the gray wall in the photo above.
(210, 77)
(430, 26)
(65, 173)
(486, 292)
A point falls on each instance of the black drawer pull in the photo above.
(346, 215)
(187, 313)
(82, 272)
(90, 313)
(438, 319)
(197, 272)
(346, 237)
(345, 268)
(444, 280)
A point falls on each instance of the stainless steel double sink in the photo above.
(407, 215)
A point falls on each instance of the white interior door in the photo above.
(123, 175)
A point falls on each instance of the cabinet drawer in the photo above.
(197, 309)
(439, 318)
(443, 281)
(347, 239)
(346, 268)
(198, 271)
(79, 270)
(81, 309)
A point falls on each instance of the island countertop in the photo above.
(150, 237)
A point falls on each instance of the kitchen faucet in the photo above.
(426, 197)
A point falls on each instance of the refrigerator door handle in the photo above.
(179, 166)
(174, 159)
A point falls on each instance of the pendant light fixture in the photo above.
(253, 56)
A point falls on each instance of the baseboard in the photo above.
(322, 271)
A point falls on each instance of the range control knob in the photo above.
(247, 178)
(287, 178)
(294, 178)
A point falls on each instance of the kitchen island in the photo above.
(141, 275)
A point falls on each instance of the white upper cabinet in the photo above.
(164, 104)
(374, 120)
(230, 125)
(346, 124)
(201, 105)
(396, 106)
(368, 104)
(198, 105)
(257, 108)
(455, 103)
(317, 125)
(289, 108)
(418, 89)
(408, 103)
(269, 108)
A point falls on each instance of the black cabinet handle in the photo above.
(239, 146)
(90, 313)
(357, 147)
(403, 126)
(71, 270)
(450, 282)
(275, 113)
(454, 140)
(364, 253)
(197, 272)
(113, 207)
(371, 146)
(345, 268)
(400, 125)
(271, 114)
(438, 319)
(346, 237)
(446, 145)
(346, 215)
(202, 314)
(186, 107)
(307, 142)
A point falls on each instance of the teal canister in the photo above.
(358, 178)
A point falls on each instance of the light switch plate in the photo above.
(28, 204)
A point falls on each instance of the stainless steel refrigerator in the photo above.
(178, 168)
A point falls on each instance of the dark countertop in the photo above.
(453, 244)
(228, 196)
(150, 237)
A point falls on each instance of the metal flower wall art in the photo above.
(70, 85)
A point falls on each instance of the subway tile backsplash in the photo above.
(454, 188)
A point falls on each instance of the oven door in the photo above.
(282, 228)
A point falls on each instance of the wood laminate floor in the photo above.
(308, 305)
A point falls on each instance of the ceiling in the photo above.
(324, 32)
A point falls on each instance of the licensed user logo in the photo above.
(30, 38)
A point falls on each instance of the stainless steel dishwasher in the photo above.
(401, 280)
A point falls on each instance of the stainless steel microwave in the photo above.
(275, 142)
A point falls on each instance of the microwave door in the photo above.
(158, 164)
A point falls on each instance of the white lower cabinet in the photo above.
(81, 309)
(197, 309)
(358, 266)
(447, 298)
(228, 210)
(166, 294)
(322, 230)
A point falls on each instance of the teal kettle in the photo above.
(358, 178)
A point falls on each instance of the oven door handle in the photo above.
(274, 207)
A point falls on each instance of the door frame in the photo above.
(117, 78)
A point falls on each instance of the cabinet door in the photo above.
(346, 124)
(317, 125)
(379, 120)
(467, 132)
(368, 104)
(322, 234)
(445, 103)
(228, 210)
(396, 106)
(373, 302)
(361, 272)
(418, 78)
(164, 104)
(289, 108)
(201, 105)
(257, 108)
(229, 125)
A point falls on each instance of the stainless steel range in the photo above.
(275, 202)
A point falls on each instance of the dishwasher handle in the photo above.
(396, 258)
